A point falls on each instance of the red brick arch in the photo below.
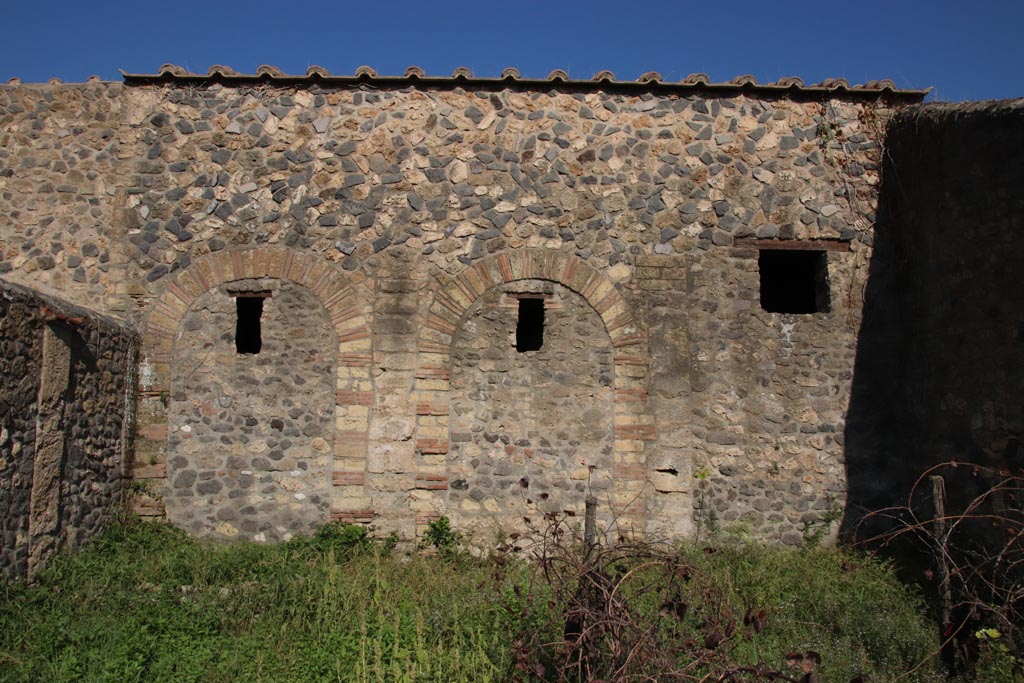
(452, 297)
(345, 301)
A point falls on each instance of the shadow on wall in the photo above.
(939, 372)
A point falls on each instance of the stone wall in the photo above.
(513, 451)
(938, 371)
(61, 166)
(252, 433)
(65, 425)
(411, 213)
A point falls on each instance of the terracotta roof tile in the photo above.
(269, 71)
(218, 70)
(794, 82)
(462, 76)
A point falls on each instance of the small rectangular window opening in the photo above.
(530, 326)
(794, 281)
(248, 335)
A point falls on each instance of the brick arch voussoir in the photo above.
(346, 301)
(340, 297)
(453, 297)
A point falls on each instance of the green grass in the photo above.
(846, 611)
(849, 609)
(145, 602)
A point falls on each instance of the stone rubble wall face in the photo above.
(61, 171)
(526, 427)
(399, 191)
(21, 356)
(60, 503)
(99, 425)
(251, 435)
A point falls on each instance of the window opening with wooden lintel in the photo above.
(248, 329)
(530, 324)
(794, 274)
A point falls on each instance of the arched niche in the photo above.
(251, 412)
(632, 425)
(317, 297)
(532, 407)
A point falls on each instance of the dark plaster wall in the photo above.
(938, 373)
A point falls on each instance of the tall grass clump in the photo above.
(144, 602)
(849, 609)
(147, 603)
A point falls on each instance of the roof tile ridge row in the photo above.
(511, 75)
(14, 80)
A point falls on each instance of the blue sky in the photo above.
(964, 50)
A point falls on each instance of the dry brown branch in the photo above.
(611, 628)
(975, 548)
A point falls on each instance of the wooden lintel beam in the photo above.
(793, 245)
(50, 315)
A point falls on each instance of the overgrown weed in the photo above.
(147, 603)
(648, 612)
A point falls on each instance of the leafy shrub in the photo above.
(964, 525)
(343, 535)
(439, 535)
(996, 663)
